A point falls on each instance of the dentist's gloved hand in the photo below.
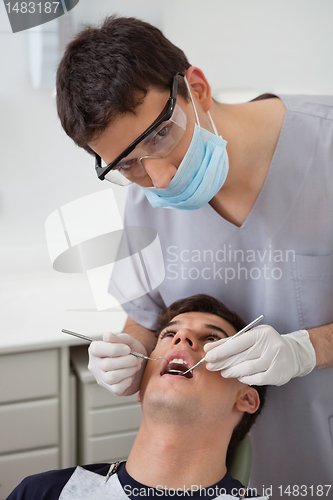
(262, 356)
(112, 365)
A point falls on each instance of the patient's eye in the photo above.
(212, 337)
(167, 333)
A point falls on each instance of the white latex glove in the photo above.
(112, 365)
(262, 356)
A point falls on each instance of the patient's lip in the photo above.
(176, 354)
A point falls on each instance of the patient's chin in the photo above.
(164, 409)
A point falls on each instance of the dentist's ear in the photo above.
(200, 87)
(248, 400)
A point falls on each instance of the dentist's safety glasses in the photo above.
(157, 141)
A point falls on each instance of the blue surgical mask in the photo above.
(199, 177)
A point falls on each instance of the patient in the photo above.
(188, 429)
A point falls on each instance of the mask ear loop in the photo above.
(195, 109)
(191, 97)
(213, 124)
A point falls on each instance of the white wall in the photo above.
(281, 46)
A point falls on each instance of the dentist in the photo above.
(241, 198)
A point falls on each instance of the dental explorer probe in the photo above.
(245, 329)
(88, 339)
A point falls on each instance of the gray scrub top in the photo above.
(278, 263)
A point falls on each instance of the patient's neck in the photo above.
(178, 456)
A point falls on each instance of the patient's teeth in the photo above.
(179, 361)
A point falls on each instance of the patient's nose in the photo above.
(160, 170)
(185, 335)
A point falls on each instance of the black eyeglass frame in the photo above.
(164, 116)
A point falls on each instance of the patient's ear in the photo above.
(138, 397)
(248, 400)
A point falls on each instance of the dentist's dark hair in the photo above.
(206, 304)
(107, 71)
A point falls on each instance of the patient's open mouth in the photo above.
(178, 366)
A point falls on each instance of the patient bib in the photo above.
(86, 485)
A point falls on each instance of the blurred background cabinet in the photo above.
(37, 394)
(54, 415)
(106, 424)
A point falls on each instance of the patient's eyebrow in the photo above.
(214, 327)
(170, 324)
(173, 323)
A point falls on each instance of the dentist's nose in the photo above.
(184, 335)
(160, 170)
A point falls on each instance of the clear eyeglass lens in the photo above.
(158, 144)
(116, 177)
